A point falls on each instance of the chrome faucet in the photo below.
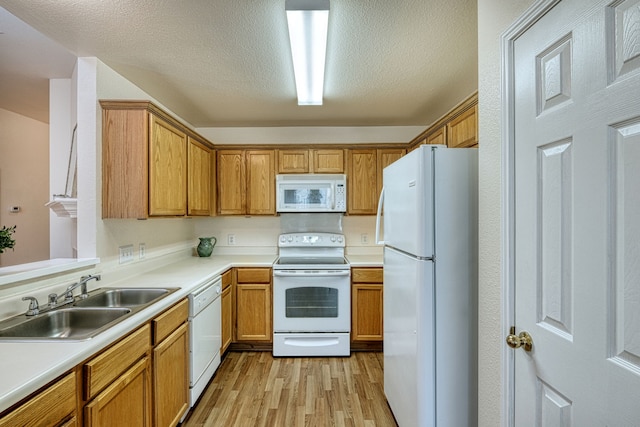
(34, 307)
(68, 294)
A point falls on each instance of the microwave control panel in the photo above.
(341, 198)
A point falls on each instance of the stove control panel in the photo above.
(298, 240)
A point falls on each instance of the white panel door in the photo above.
(577, 215)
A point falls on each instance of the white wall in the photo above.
(24, 182)
(494, 17)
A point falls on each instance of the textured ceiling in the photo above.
(227, 62)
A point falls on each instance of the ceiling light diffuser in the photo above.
(308, 21)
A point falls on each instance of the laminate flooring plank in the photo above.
(256, 389)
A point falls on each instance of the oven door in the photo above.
(311, 301)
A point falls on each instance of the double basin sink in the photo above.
(84, 318)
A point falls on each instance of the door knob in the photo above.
(522, 340)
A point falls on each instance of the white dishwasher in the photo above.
(205, 336)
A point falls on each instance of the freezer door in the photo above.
(409, 357)
(407, 205)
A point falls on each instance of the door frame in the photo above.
(508, 288)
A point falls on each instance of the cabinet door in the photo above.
(253, 312)
(171, 378)
(231, 182)
(201, 179)
(366, 312)
(261, 182)
(385, 157)
(462, 131)
(49, 407)
(366, 304)
(167, 169)
(362, 182)
(327, 161)
(293, 161)
(126, 401)
(227, 318)
(438, 137)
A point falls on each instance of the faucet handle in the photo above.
(34, 307)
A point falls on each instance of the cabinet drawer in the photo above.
(170, 320)
(49, 407)
(254, 275)
(366, 275)
(226, 279)
(110, 364)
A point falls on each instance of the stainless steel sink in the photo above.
(64, 324)
(123, 297)
(82, 319)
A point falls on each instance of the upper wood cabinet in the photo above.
(311, 161)
(462, 131)
(457, 129)
(147, 170)
(438, 137)
(201, 182)
(364, 178)
(167, 169)
(246, 182)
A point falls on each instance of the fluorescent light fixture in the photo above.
(308, 21)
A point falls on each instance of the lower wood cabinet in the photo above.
(227, 310)
(366, 305)
(171, 365)
(49, 407)
(253, 305)
(126, 401)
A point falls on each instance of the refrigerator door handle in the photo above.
(378, 215)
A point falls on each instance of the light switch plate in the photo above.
(126, 254)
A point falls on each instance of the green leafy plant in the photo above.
(6, 242)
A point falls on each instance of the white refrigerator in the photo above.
(429, 209)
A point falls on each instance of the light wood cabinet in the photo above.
(145, 158)
(384, 158)
(362, 187)
(462, 131)
(366, 304)
(231, 182)
(322, 160)
(167, 169)
(127, 400)
(253, 305)
(117, 382)
(327, 161)
(171, 365)
(201, 178)
(438, 137)
(227, 310)
(246, 182)
(50, 406)
(364, 178)
(293, 161)
(261, 182)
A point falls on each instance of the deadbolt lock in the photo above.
(523, 340)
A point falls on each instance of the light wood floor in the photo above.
(256, 389)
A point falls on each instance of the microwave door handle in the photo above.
(378, 215)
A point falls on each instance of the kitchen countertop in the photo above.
(27, 366)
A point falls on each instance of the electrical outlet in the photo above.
(126, 253)
(231, 239)
(364, 238)
(142, 250)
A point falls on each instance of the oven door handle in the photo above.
(314, 273)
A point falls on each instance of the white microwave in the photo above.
(311, 193)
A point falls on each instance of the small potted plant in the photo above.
(6, 242)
